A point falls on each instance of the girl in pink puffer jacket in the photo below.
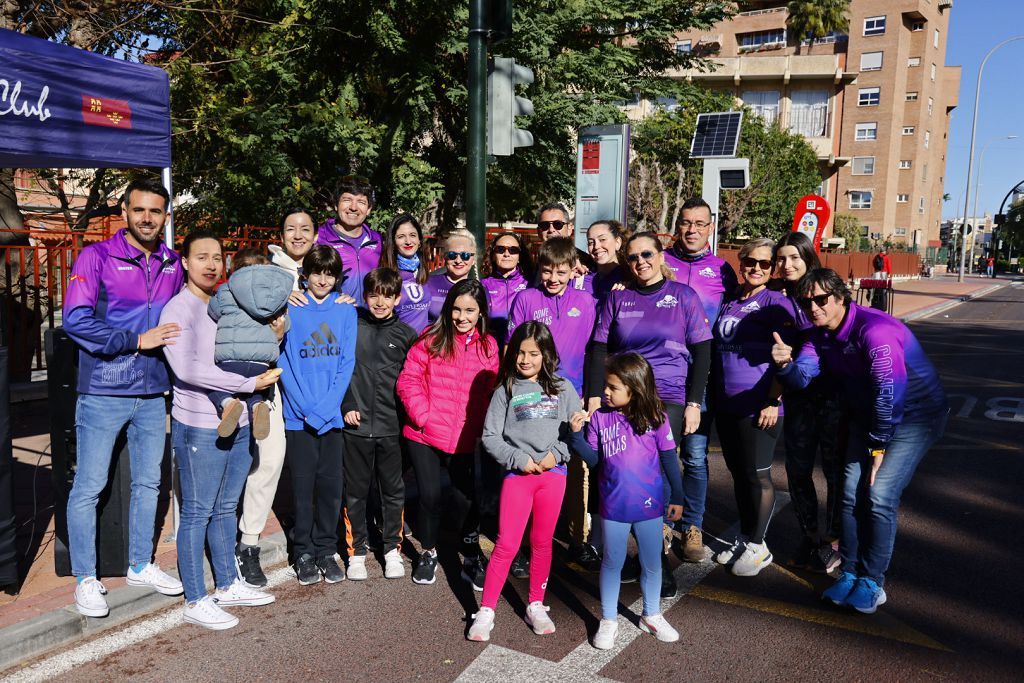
(445, 387)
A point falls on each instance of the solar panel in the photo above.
(717, 135)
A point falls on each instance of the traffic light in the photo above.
(503, 107)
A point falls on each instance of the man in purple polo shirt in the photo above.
(692, 263)
(358, 245)
(112, 308)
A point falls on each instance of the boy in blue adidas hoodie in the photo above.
(317, 363)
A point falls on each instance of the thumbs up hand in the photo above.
(782, 353)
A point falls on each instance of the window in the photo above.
(911, 97)
(761, 39)
(683, 46)
(871, 61)
(924, 172)
(863, 166)
(927, 138)
(933, 72)
(869, 97)
(920, 205)
(931, 104)
(908, 130)
(902, 198)
(866, 131)
(901, 232)
(667, 103)
(860, 199)
(905, 163)
(935, 39)
(865, 230)
(808, 115)
(917, 26)
(765, 103)
(874, 26)
(914, 61)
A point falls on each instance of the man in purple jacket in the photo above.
(692, 263)
(358, 245)
(112, 308)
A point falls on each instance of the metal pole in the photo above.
(165, 177)
(970, 157)
(476, 171)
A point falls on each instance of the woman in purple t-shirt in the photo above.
(403, 251)
(508, 269)
(748, 407)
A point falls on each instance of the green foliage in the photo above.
(848, 227)
(809, 19)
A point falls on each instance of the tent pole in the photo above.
(165, 177)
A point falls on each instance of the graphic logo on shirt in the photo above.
(727, 327)
(543, 315)
(751, 307)
(167, 269)
(413, 291)
(706, 271)
(321, 342)
(611, 441)
(668, 301)
(535, 406)
(649, 503)
(125, 268)
(849, 349)
(574, 312)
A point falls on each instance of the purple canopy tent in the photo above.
(61, 107)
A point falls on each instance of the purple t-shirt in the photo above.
(359, 255)
(570, 316)
(599, 286)
(436, 289)
(501, 291)
(659, 326)
(710, 276)
(743, 358)
(412, 308)
(630, 479)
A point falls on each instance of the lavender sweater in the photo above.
(191, 361)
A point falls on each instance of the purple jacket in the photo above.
(501, 291)
(708, 275)
(116, 293)
(358, 256)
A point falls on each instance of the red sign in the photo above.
(810, 217)
(103, 111)
(592, 156)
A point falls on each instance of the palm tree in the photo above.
(810, 19)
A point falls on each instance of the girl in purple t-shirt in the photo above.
(631, 440)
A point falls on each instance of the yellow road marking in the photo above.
(790, 575)
(878, 625)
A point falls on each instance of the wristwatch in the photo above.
(692, 404)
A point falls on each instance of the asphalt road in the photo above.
(954, 587)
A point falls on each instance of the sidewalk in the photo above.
(41, 616)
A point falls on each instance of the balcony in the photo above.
(765, 68)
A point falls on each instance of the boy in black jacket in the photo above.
(372, 425)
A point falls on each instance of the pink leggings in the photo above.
(520, 494)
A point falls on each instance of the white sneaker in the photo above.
(357, 568)
(155, 578)
(208, 614)
(604, 639)
(732, 553)
(755, 557)
(659, 628)
(483, 622)
(394, 568)
(241, 594)
(89, 598)
(537, 618)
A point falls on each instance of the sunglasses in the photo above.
(501, 249)
(805, 302)
(645, 255)
(544, 226)
(464, 255)
(763, 264)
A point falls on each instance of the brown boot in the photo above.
(260, 421)
(694, 550)
(229, 418)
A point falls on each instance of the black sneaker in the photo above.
(668, 581)
(520, 568)
(631, 569)
(474, 568)
(589, 558)
(425, 568)
(824, 559)
(328, 566)
(249, 570)
(306, 570)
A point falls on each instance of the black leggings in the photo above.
(748, 453)
(427, 463)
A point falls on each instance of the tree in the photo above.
(810, 19)
(848, 227)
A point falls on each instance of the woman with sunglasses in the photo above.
(748, 405)
(508, 269)
(813, 423)
(459, 253)
(403, 251)
(604, 241)
(663, 321)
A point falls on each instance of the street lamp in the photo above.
(970, 157)
(977, 184)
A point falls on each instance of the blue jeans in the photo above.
(868, 530)
(649, 543)
(98, 421)
(212, 471)
(695, 471)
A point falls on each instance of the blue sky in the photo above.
(975, 27)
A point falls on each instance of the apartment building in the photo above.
(874, 102)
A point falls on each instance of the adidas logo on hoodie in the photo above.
(321, 342)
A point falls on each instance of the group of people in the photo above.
(590, 381)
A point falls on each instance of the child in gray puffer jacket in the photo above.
(244, 307)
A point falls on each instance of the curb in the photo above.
(946, 305)
(28, 639)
